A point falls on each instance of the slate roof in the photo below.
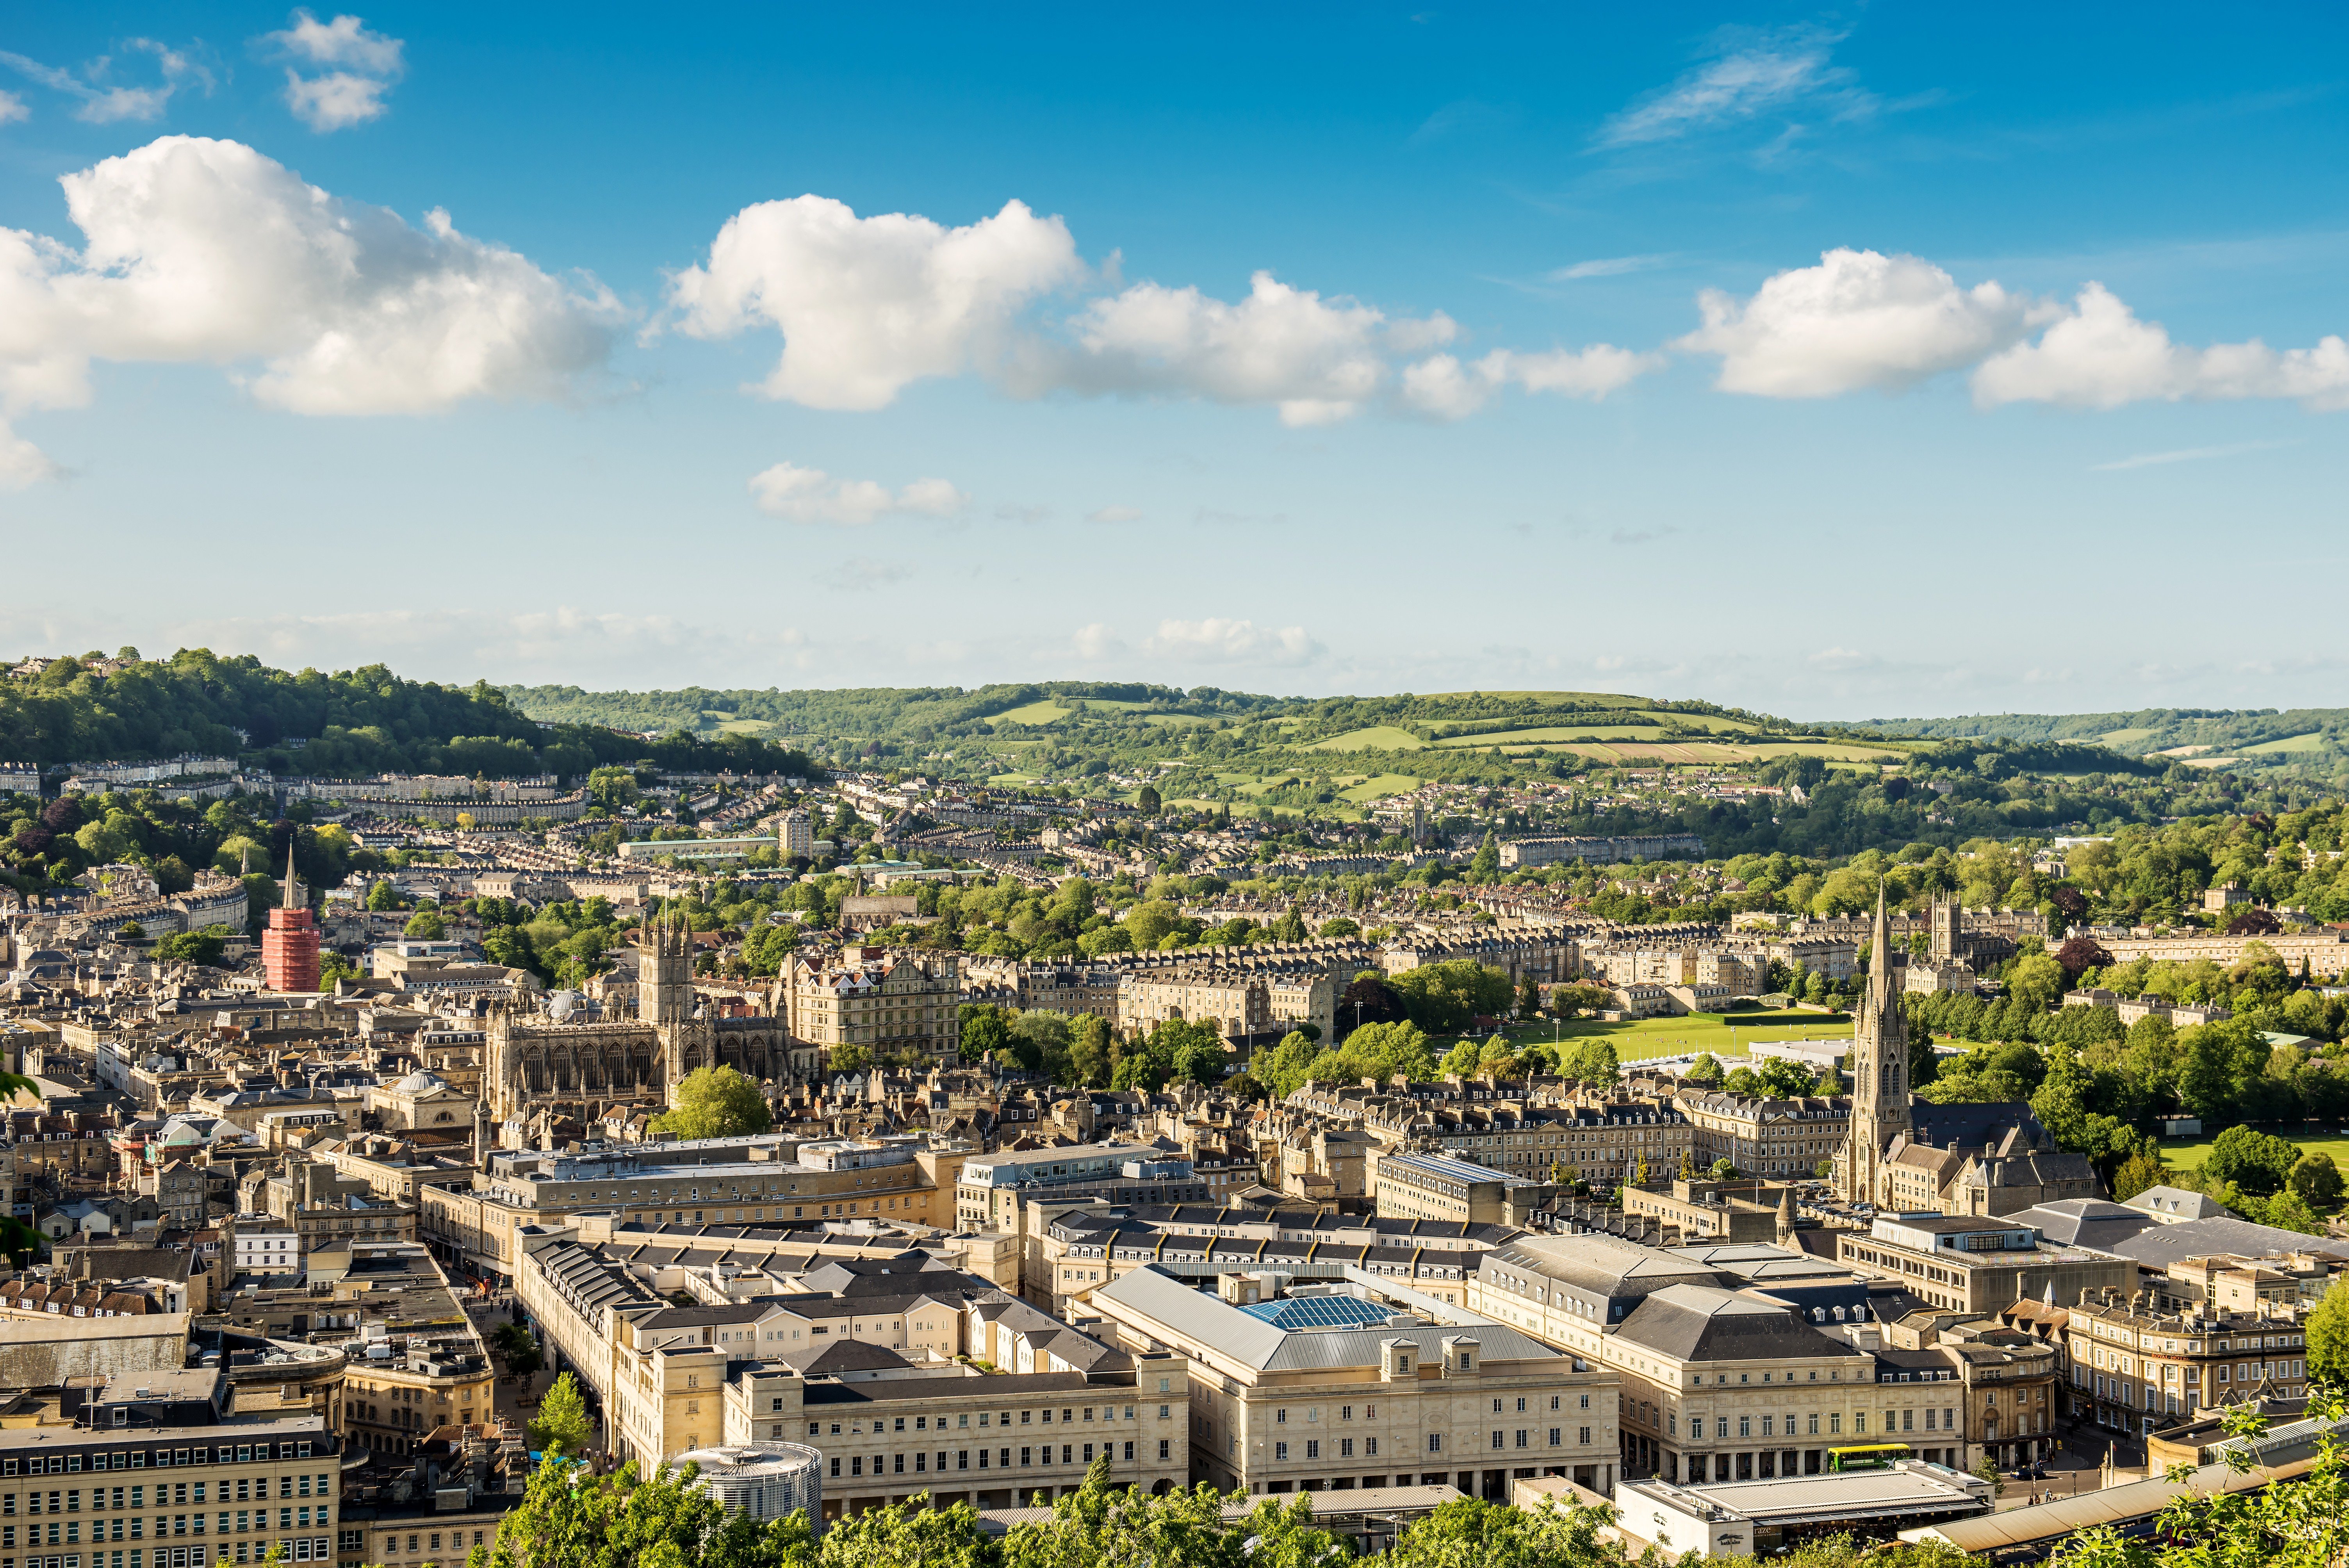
(1268, 1348)
(2159, 1246)
(2177, 1202)
(1702, 1323)
(2084, 1223)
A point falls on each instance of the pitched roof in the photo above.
(1703, 1322)
(1154, 1293)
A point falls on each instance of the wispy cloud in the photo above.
(1609, 267)
(858, 575)
(1748, 74)
(102, 102)
(799, 494)
(1114, 514)
(2186, 455)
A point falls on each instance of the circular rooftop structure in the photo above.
(765, 1481)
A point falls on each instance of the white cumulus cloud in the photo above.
(869, 305)
(1858, 319)
(800, 495)
(1448, 389)
(2100, 354)
(12, 109)
(1316, 360)
(197, 250)
(1216, 640)
(1861, 319)
(341, 71)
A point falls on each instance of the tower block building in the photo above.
(1880, 1112)
(289, 945)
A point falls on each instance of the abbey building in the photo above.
(540, 1064)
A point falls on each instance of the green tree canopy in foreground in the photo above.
(715, 1102)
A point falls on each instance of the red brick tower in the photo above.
(289, 948)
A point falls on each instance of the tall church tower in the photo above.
(1879, 1070)
(664, 972)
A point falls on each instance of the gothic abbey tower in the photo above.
(665, 972)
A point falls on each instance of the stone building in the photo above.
(537, 1062)
(1338, 1392)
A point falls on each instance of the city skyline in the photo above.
(1829, 364)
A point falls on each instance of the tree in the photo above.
(202, 945)
(1461, 1060)
(2328, 1336)
(2257, 1163)
(1529, 996)
(426, 925)
(2080, 953)
(1147, 801)
(382, 897)
(1705, 1069)
(1485, 865)
(1340, 926)
(1289, 927)
(1151, 921)
(2316, 1180)
(1468, 1531)
(2287, 1211)
(985, 1030)
(2138, 1173)
(1443, 998)
(1369, 1000)
(1100, 1522)
(715, 1102)
(1591, 1060)
(1988, 1472)
(1089, 1052)
(563, 1426)
(1573, 1001)
(571, 1517)
(1723, 1170)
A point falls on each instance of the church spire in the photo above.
(293, 898)
(1880, 947)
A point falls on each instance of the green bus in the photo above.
(1867, 1456)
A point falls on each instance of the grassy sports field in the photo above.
(2188, 1153)
(1722, 1034)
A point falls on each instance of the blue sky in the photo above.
(1834, 363)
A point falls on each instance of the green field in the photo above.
(2312, 741)
(1551, 698)
(1379, 738)
(1048, 711)
(1722, 1034)
(2188, 1153)
(1379, 786)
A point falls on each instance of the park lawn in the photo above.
(1722, 1034)
(2188, 1153)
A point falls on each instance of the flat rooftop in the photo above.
(1914, 1488)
